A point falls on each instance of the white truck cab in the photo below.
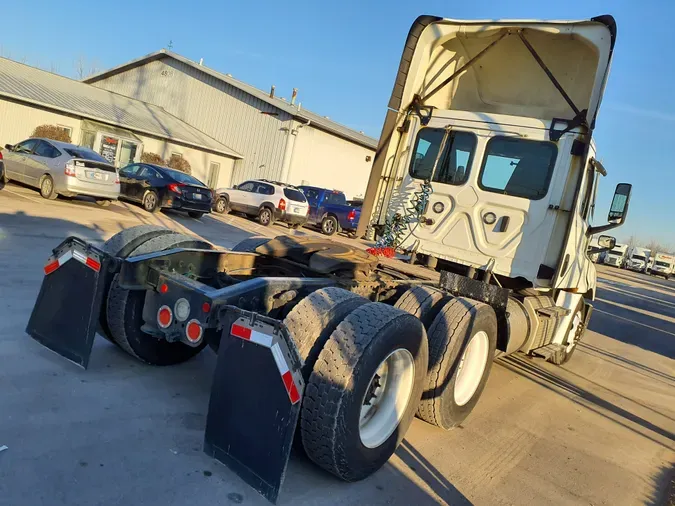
(616, 257)
(638, 259)
(486, 166)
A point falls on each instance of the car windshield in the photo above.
(184, 178)
(639, 257)
(86, 154)
(295, 195)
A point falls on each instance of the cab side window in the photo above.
(246, 187)
(46, 150)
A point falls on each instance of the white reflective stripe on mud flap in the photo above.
(279, 359)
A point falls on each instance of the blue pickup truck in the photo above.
(329, 210)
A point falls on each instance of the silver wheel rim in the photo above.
(572, 337)
(150, 201)
(47, 187)
(221, 206)
(265, 217)
(386, 398)
(328, 226)
(471, 367)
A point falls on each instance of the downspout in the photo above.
(289, 150)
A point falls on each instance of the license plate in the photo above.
(197, 196)
(94, 175)
(297, 210)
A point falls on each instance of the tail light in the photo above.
(164, 317)
(117, 178)
(194, 331)
(282, 205)
(352, 215)
(69, 170)
(176, 188)
(0, 155)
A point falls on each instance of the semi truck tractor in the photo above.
(326, 344)
(616, 257)
(637, 259)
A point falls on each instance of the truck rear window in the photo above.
(295, 195)
(337, 198)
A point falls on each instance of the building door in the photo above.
(214, 175)
(109, 148)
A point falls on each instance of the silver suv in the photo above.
(59, 168)
(269, 201)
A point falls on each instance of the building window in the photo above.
(179, 155)
(67, 129)
(128, 153)
(88, 139)
(109, 148)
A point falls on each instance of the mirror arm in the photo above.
(602, 228)
(593, 250)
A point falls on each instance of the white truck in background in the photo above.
(638, 259)
(662, 264)
(594, 250)
(616, 257)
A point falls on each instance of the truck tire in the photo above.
(462, 342)
(124, 311)
(249, 245)
(120, 245)
(574, 334)
(329, 225)
(377, 357)
(314, 318)
(424, 302)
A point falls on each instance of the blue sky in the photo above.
(342, 56)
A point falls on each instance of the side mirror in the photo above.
(617, 211)
(9, 146)
(234, 187)
(619, 208)
(606, 242)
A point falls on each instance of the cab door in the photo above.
(490, 195)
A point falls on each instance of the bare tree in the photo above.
(85, 68)
(53, 68)
(632, 241)
(80, 65)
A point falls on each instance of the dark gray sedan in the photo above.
(58, 168)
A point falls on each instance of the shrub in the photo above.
(52, 132)
(179, 163)
(148, 157)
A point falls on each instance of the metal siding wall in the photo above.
(19, 121)
(322, 159)
(224, 112)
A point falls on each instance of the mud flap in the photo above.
(65, 315)
(255, 401)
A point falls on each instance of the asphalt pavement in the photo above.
(600, 430)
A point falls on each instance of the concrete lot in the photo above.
(600, 430)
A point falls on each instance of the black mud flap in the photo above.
(65, 315)
(255, 401)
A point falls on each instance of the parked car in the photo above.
(330, 211)
(3, 175)
(269, 201)
(157, 187)
(58, 168)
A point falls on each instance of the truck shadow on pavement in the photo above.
(528, 368)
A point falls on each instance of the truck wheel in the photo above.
(124, 311)
(424, 302)
(249, 245)
(462, 342)
(314, 318)
(574, 335)
(329, 225)
(120, 245)
(363, 392)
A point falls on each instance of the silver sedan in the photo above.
(59, 168)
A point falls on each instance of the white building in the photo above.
(278, 140)
(119, 127)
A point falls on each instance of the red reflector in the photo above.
(51, 267)
(163, 288)
(93, 264)
(193, 331)
(240, 331)
(206, 307)
(290, 387)
(164, 316)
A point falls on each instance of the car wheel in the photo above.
(104, 202)
(47, 188)
(222, 206)
(329, 225)
(151, 202)
(194, 214)
(266, 217)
